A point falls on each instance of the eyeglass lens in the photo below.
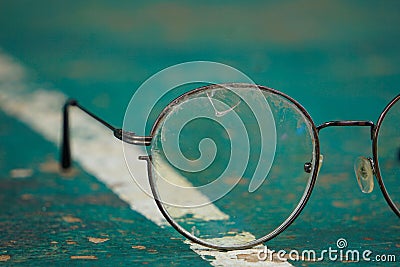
(228, 163)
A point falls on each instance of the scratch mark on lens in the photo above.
(217, 112)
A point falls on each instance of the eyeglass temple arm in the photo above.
(127, 137)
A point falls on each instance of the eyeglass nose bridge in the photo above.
(364, 168)
(348, 123)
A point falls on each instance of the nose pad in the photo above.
(363, 167)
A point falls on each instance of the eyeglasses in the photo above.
(217, 151)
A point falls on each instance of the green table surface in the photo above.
(339, 59)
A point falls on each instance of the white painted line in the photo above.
(98, 152)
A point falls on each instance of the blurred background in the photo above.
(339, 59)
(314, 51)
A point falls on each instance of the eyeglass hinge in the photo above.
(132, 138)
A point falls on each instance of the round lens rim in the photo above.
(375, 155)
(294, 214)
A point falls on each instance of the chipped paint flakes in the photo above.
(50, 166)
(53, 166)
(139, 247)
(245, 257)
(339, 204)
(21, 173)
(250, 257)
(117, 219)
(27, 197)
(71, 219)
(97, 240)
(84, 257)
(5, 257)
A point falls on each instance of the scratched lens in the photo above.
(388, 150)
(228, 163)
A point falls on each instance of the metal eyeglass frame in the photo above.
(132, 138)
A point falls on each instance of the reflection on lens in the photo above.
(388, 147)
(228, 162)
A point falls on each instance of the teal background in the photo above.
(339, 59)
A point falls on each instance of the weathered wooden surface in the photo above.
(340, 60)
